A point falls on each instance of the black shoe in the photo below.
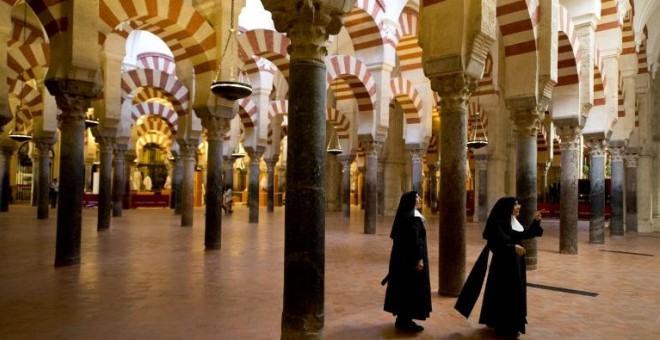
(407, 326)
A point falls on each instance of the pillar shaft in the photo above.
(214, 189)
(526, 175)
(253, 184)
(177, 184)
(616, 199)
(371, 150)
(454, 91)
(568, 202)
(34, 196)
(106, 148)
(43, 148)
(188, 150)
(416, 160)
(270, 199)
(5, 186)
(380, 186)
(72, 185)
(597, 193)
(433, 188)
(118, 179)
(631, 193)
(346, 161)
(481, 189)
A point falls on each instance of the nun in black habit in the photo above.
(504, 306)
(408, 294)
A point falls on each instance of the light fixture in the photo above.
(476, 141)
(239, 151)
(235, 86)
(334, 148)
(21, 136)
(91, 121)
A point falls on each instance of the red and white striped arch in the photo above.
(151, 94)
(486, 84)
(517, 21)
(154, 137)
(408, 49)
(134, 79)
(404, 92)
(157, 124)
(176, 22)
(477, 118)
(248, 112)
(157, 61)
(599, 80)
(628, 37)
(568, 56)
(266, 44)
(30, 96)
(158, 109)
(642, 61)
(24, 33)
(356, 75)
(432, 149)
(27, 62)
(339, 121)
(362, 24)
(609, 16)
(50, 14)
(278, 107)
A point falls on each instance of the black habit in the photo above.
(504, 305)
(408, 291)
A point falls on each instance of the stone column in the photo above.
(433, 187)
(371, 150)
(525, 118)
(118, 179)
(215, 131)
(616, 200)
(631, 192)
(177, 183)
(454, 91)
(481, 188)
(187, 186)
(34, 157)
(346, 161)
(308, 25)
(568, 202)
(106, 147)
(43, 146)
(253, 183)
(229, 172)
(597, 193)
(416, 160)
(270, 200)
(647, 173)
(5, 187)
(129, 161)
(89, 163)
(72, 97)
(380, 186)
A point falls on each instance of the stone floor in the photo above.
(149, 278)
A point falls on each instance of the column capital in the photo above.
(570, 137)
(616, 152)
(308, 23)
(597, 147)
(630, 160)
(216, 127)
(346, 158)
(255, 154)
(372, 148)
(72, 96)
(416, 155)
(454, 89)
(272, 161)
(187, 150)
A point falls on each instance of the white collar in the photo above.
(515, 225)
(419, 214)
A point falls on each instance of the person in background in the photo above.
(228, 200)
(504, 306)
(408, 294)
(52, 192)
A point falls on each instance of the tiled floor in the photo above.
(149, 278)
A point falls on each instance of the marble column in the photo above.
(416, 160)
(188, 152)
(106, 147)
(129, 161)
(631, 192)
(481, 188)
(380, 186)
(177, 184)
(616, 199)
(597, 193)
(270, 199)
(5, 187)
(454, 91)
(371, 150)
(568, 201)
(308, 25)
(525, 119)
(229, 172)
(281, 181)
(89, 163)
(253, 183)
(34, 157)
(72, 97)
(433, 187)
(118, 179)
(43, 147)
(346, 161)
(215, 130)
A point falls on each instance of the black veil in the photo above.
(406, 209)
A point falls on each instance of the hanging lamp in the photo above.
(239, 151)
(235, 86)
(476, 141)
(21, 136)
(334, 147)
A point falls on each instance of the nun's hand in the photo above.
(537, 215)
(520, 250)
